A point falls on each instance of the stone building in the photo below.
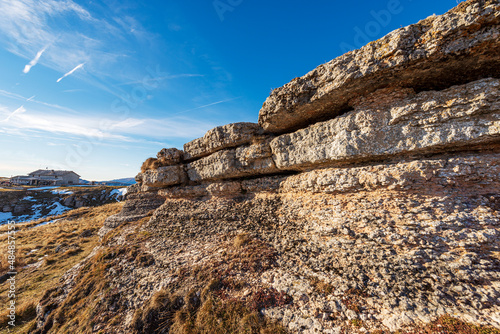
(48, 177)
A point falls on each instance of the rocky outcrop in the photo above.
(170, 156)
(164, 176)
(255, 159)
(428, 122)
(27, 205)
(137, 206)
(374, 206)
(457, 47)
(230, 135)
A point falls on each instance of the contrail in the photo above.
(34, 61)
(71, 72)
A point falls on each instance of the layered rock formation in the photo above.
(366, 199)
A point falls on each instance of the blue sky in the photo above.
(99, 86)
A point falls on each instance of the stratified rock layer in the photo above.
(164, 176)
(459, 46)
(248, 160)
(426, 123)
(230, 135)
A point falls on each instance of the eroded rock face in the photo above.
(255, 159)
(426, 123)
(230, 135)
(137, 206)
(164, 176)
(459, 46)
(170, 156)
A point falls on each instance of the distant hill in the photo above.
(117, 182)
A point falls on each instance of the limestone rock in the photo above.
(170, 156)
(243, 161)
(428, 122)
(459, 46)
(473, 170)
(136, 207)
(184, 192)
(224, 189)
(230, 135)
(164, 176)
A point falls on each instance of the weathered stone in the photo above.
(186, 192)
(164, 176)
(471, 170)
(248, 160)
(221, 137)
(428, 122)
(138, 178)
(136, 207)
(170, 156)
(460, 46)
(224, 189)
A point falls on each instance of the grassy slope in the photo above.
(33, 282)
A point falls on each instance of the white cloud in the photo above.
(18, 97)
(22, 122)
(19, 110)
(209, 105)
(71, 72)
(34, 61)
(28, 26)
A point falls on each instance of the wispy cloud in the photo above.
(208, 105)
(166, 77)
(34, 61)
(19, 110)
(71, 72)
(127, 130)
(18, 97)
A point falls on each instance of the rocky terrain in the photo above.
(28, 204)
(366, 199)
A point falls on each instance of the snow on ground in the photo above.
(45, 223)
(44, 188)
(62, 192)
(118, 192)
(57, 209)
(29, 198)
(5, 217)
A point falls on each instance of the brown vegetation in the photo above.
(150, 164)
(48, 252)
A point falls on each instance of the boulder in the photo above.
(164, 176)
(429, 122)
(221, 137)
(170, 156)
(243, 161)
(457, 47)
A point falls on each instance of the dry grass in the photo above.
(241, 240)
(449, 325)
(197, 313)
(56, 248)
(150, 163)
(321, 286)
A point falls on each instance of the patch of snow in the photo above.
(62, 192)
(44, 188)
(57, 209)
(5, 217)
(118, 192)
(47, 222)
(29, 198)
